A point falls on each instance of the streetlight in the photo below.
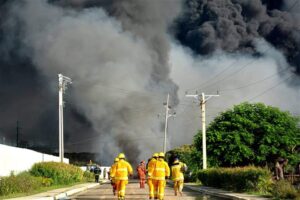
(62, 83)
(202, 99)
(167, 115)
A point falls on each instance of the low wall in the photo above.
(18, 159)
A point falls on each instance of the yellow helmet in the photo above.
(161, 154)
(155, 155)
(121, 156)
(176, 161)
(116, 159)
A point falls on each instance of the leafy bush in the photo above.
(190, 177)
(284, 190)
(88, 176)
(21, 183)
(238, 179)
(60, 173)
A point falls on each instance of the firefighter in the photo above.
(112, 180)
(141, 170)
(159, 174)
(120, 174)
(151, 165)
(177, 169)
(97, 172)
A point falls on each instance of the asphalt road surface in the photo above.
(134, 192)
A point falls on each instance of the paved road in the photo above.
(134, 192)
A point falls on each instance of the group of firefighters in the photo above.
(157, 171)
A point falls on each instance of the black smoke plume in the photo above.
(232, 25)
(105, 46)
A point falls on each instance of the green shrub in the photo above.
(88, 176)
(21, 183)
(237, 179)
(60, 173)
(284, 190)
(190, 176)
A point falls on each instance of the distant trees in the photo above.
(251, 134)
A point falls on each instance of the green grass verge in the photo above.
(42, 177)
(39, 190)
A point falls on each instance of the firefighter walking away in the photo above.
(150, 166)
(159, 174)
(112, 180)
(120, 174)
(178, 168)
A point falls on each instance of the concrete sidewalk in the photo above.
(61, 193)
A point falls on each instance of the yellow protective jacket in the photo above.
(151, 165)
(177, 173)
(160, 170)
(112, 168)
(121, 170)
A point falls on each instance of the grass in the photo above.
(40, 190)
(41, 178)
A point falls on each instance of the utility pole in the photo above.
(62, 83)
(18, 132)
(167, 115)
(202, 100)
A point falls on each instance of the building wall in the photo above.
(14, 159)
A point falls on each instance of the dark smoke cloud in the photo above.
(233, 25)
(102, 45)
(25, 94)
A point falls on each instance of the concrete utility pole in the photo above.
(202, 101)
(167, 115)
(62, 83)
(18, 134)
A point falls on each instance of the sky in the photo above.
(124, 57)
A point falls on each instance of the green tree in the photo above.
(251, 134)
(187, 154)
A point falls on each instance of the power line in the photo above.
(255, 82)
(233, 73)
(110, 141)
(271, 88)
(127, 91)
(231, 65)
(226, 77)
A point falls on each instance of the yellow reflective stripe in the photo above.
(176, 166)
(121, 178)
(122, 169)
(158, 178)
(160, 169)
(178, 179)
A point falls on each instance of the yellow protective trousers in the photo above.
(159, 188)
(151, 188)
(121, 187)
(178, 185)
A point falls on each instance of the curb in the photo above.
(225, 194)
(64, 195)
(221, 193)
(53, 195)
